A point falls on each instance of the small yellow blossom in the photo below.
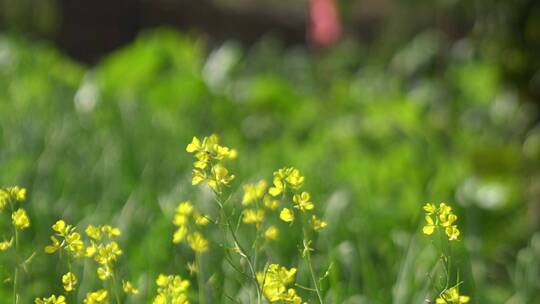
(180, 234)
(253, 192)
(20, 219)
(96, 297)
(69, 280)
(197, 242)
(103, 272)
(110, 231)
(430, 208)
(286, 177)
(274, 284)
(128, 288)
(198, 177)
(251, 216)
(270, 202)
(171, 289)
(184, 208)
(441, 216)
(50, 249)
(17, 193)
(302, 201)
(61, 227)
(452, 296)
(74, 243)
(452, 232)
(180, 219)
(194, 146)
(51, 300)
(93, 232)
(220, 176)
(286, 215)
(271, 233)
(5, 245)
(430, 226)
(201, 220)
(317, 223)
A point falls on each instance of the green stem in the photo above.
(307, 252)
(311, 271)
(241, 250)
(200, 279)
(16, 272)
(115, 287)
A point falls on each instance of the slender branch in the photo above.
(200, 279)
(16, 271)
(238, 246)
(307, 254)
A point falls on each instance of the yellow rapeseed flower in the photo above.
(251, 216)
(302, 201)
(69, 280)
(286, 215)
(452, 296)
(5, 245)
(253, 192)
(171, 289)
(184, 208)
(128, 288)
(4, 196)
(17, 193)
(51, 300)
(271, 233)
(220, 176)
(270, 202)
(274, 284)
(317, 223)
(200, 219)
(20, 219)
(110, 231)
(284, 178)
(104, 272)
(93, 232)
(96, 297)
(180, 234)
(441, 216)
(197, 242)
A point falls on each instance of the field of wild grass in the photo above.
(332, 177)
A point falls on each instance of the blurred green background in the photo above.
(378, 128)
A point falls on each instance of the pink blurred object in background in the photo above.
(324, 26)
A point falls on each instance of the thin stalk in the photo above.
(307, 254)
(16, 271)
(311, 271)
(73, 294)
(115, 287)
(200, 279)
(241, 250)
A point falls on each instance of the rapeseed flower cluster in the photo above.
(51, 300)
(452, 296)
(11, 197)
(67, 239)
(291, 179)
(440, 217)
(97, 297)
(209, 165)
(258, 202)
(171, 290)
(189, 221)
(275, 282)
(69, 280)
(101, 246)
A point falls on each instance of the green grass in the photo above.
(375, 140)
